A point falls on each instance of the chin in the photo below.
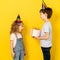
(20, 32)
(42, 18)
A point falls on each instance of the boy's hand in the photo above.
(38, 37)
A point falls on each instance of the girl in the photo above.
(17, 48)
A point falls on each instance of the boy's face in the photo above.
(43, 15)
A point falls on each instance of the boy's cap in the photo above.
(43, 5)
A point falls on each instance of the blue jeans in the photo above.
(46, 53)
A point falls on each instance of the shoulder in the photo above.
(12, 36)
(47, 24)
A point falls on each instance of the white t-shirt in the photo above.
(14, 38)
(46, 28)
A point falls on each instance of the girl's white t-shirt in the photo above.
(14, 38)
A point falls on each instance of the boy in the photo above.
(46, 33)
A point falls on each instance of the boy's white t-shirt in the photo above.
(14, 38)
(46, 28)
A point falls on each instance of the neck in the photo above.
(17, 32)
(46, 20)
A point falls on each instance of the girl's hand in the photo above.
(24, 52)
(13, 54)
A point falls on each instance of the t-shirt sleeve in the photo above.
(46, 28)
(12, 37)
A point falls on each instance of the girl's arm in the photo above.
(11, 45)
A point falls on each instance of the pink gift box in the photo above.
(35, 32)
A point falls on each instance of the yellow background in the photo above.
(29, 11)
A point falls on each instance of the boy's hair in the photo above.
(48, 11)
(15, 27)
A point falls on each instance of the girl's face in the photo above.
(21, 27)
(43, 15)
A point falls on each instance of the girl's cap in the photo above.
(18, 19)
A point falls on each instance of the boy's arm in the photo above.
(43, 37)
